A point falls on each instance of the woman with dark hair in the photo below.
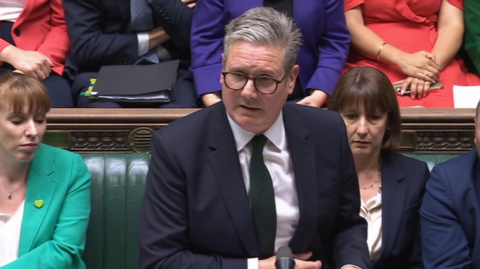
(44, 191)
(391, 185)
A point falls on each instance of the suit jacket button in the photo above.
(16, 32)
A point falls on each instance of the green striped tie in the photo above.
(263, 199)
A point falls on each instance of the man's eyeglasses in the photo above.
(263, 84)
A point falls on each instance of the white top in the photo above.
(11, 9)
(277, 159)
(10, 227)
(372, 213)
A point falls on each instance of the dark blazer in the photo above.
(98, 31)
(450, 215)
(321, 58)
(56, 212)
(196, 211)
(403, 187)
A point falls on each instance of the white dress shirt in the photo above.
(277, 159)
(371, 211)
(11, 9)
(10, 227)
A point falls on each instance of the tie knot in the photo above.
(258, 142)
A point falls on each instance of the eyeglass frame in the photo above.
(225, 73)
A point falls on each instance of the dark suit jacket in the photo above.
(98, 31)
(403, 187)
(321, 58)
(196, 211)
(450, 215)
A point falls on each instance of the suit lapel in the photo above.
(40, 186)
(226, 167)
(303, 159)
(393, 201)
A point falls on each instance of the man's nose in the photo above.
(249, 91)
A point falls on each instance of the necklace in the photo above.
(369, 187)
(11, 192)
(375, 182)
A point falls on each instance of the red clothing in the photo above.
(410, 25)
(41, 27)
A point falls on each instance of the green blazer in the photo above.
(472, 32)
(53, 231)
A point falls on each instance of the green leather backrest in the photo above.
(118, 185)
(432, 159)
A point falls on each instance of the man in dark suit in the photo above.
(232, 183)
(106, 33)
(450, 212)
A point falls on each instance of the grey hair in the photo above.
(265, 26)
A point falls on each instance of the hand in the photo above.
(211, 98)
(300, 262)
(418, 88)
(157, 37)
(420, 65)
(189, 3)
(31, 63)
(316, 99)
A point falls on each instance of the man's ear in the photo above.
(292, 78)
(475, 137)
(223, 67)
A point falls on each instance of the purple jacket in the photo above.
(321, 58)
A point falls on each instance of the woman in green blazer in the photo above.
(44, 191)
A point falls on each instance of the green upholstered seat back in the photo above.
(118, 185)
(432, 159)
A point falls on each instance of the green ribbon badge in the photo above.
(38, 203)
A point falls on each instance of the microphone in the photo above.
(284, 259)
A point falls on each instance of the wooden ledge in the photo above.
(103, 130)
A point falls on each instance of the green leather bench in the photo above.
(118, 185)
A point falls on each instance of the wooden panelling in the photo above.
(130, 130)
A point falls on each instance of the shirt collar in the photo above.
(275, 134)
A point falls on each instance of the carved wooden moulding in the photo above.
(445, 140)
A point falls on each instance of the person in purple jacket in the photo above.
(321, 58)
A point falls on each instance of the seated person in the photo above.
(450, 213)
(44, 191)
(258, 174)
(321, 57)
(113, 32)
(412, 42)
(391, 185)
(34, 41)
(472, 33)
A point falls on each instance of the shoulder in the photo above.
(407, 163)
(459, 165)
(63, 161)
(57, 154)
(312, 115)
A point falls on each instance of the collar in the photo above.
(275, 134)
